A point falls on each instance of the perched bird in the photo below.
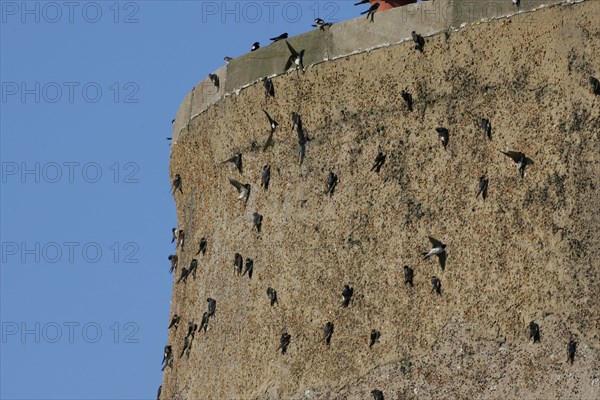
(243, 189)
(534, 331)
(408, 100)
(159, 391)
(438, 249)
(212, 306)
(167, 357)
(175, 321)
(328, 331)
(266, 177)
(375, 335)
(437, 285)
(486, 127)
(284, 342)
(377, 394)
(249, 267)
(238, 263)
(257, 221)
(302, 137)
(187, 344)
(269, 87)
(191, 329)
(408, 275)
(272, 293)
(347, 293)
(520, 159)
(571, 348)
(361, 2)
(214, 79)
(419, 41)
(193, 267)
(177, 184)
(379, 161)
(227, 59)
(255, 46)
(295, 58)
(202, 246)
(181, 239)
(236, 160)
(272, 124)
(174, 237)
(204, 322)
(319, 23)
(483, 187)
(174, 260)
(371, 11)
(332, 181)
(280, 37)
(184, 275)
(516, 3)
(443, 135)
(595, 84)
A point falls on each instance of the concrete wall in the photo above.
(343, 39)
(528, 252)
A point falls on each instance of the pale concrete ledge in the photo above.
(346, 38)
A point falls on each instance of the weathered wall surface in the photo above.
(528, 252)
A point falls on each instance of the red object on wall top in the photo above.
(387, 4)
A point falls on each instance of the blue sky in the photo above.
(88, 93)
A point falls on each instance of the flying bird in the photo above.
(236, 160)
(486, 127)
(371, 11)
(534, 332)
(257, 221)
(437, 285)
(272, 293)
(332, 181)
(212, 306)
(295, 58)
(174, 260)
(255, 46)
(520, 160)
(483, 187)
(249, 267)
(437, 249)
(375, 335)
(408, 275)
(443, 135)
(280, 37)
(175, 321)
(214, 79)
(419, 41)
(319, 23)
(408, 100)
(361, 2)
(269, 87)
(571, 348)
(284, 342)
(347, 293)
(379, 161)
(328, 331)
(266, 177)
(243, 189)
(177, 184)
(238, 263)
(595, 84)
(377, 394)
(202, 246)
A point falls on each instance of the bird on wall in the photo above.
(379, 161)
(332, 181)
(534, 332)
(214, 79)
(266, 177)
(255, 46)
(202, 246)
(482, 187)
(236, 160)
(347, 293)
(371, 12)
(408, 100)
(243, 189)
(272, 293)
(437, 285)
(257, 221)
(238, 264)
(177, 184)
(444, 135)
(284, 342)
(520, 159)
(375, 335)
(486, 127)
(269, 87)
(321, 24)
(174, 261)
(328, 332)
(295, 58)
(419, 41)
(273, 125)
(280, 37)
(408, 275)
(438, 249)
(571, 348)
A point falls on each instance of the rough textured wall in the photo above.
(528, 252)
